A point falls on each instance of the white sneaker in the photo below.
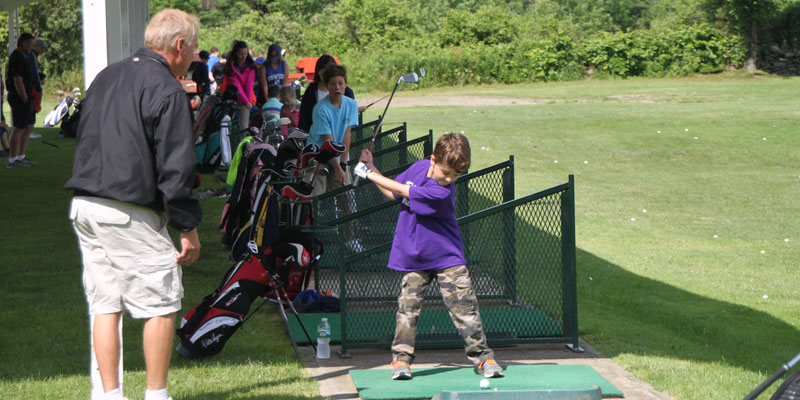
(35, 136)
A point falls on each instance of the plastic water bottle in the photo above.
(323, 339)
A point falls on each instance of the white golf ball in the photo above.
(716, 236)
(586, 162)
(658, 132)
(644, 210)
(686, 130)
(763, 297)
(633, 219)
(555, 161)
(763, 138)
(786, 240)
(484, 383)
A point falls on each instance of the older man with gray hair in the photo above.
(132, 177)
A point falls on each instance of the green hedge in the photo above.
(700, 49)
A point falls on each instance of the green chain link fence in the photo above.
(521, 257)
(383, 140)
(390, 162)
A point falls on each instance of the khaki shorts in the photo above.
(128, 258)
(324, 183)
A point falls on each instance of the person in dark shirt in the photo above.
(19, 83)
(200, 75)
(132, 177)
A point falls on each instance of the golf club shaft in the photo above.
(378, 127)
(373, 103)
(772, 378)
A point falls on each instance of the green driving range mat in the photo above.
(378, 383)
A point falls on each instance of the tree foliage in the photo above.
(520, 39)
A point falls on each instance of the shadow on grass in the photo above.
(622, 312)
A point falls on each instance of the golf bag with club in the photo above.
(205, 329)
(69, 124)
(59, 112)
(262, 225)
(208, 129)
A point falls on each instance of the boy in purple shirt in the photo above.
(427, 245)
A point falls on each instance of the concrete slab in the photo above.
(335, 383)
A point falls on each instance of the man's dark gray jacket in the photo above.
(135, 140)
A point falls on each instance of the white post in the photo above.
(95, 39)
(97, 383)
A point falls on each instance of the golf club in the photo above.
(408, 78)
(772, 378)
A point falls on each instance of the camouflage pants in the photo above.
(461, 303)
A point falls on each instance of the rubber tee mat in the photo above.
(426, 382)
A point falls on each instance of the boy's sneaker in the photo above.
(34, 136)
(489, 369)
(27, 162)
(401, 371)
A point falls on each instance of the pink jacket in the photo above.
(242, 81)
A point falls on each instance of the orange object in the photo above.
(306, 67)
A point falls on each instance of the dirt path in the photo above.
(467, 101)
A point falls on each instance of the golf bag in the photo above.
(58, 113)
(262, 225)
(69, 125)
(296, 205)
(253, 174)
(206, 328)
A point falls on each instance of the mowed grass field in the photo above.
(697, 296)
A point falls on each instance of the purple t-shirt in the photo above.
(427, 235)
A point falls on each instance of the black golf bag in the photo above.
(206, 328)
(69, 125)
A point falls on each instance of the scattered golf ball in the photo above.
(658, 132)
(555, 161)
(484, 383)
(763, 252)
(716, 236)
(633, 219)
(585, 162)
(644, 210)
(483, 148)
(786, 240)
(590, 278)
(763, 138)
(686, 130)
(763, 297)
(695, 138)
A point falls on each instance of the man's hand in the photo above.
(337, 169)
(190, 248)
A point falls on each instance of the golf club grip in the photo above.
(774, 377)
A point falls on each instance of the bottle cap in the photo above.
(324, 320)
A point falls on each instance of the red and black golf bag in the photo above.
(206, 328)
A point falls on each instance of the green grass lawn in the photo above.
(676, 296)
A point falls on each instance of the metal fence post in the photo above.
(510, 237)
(342, 291)
(570, 299)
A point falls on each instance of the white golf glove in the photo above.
(361, 170)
